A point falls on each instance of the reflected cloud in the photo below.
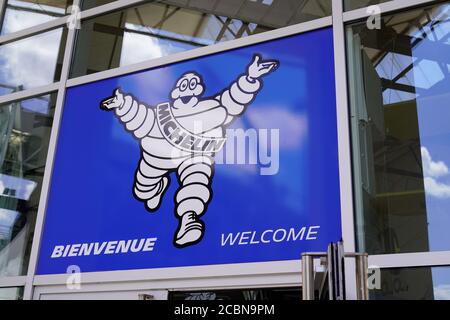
(436, 189)
(7, 220)
(137, 48)
(31, 15)
(38, 53)
(16, 187)
(433, 170)
(7, 217)
(13, 252)
(442, 292)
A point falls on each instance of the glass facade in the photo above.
(24, 14)
(14, 293)
(414, 284)
(356, 4)
(24, 136)
(154, 30)
(31, 62)
(400, 88)
(399, 93)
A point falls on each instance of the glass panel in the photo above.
(400, 89)
(31, 62)
(414, 284)
(15, 293)
(156, 29)
(28, 13)
(88, 4)
(356, 4)
(25, 128)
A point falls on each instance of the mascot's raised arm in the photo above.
(183, 135)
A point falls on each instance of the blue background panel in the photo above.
(91, 197)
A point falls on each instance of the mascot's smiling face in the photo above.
(187, 91)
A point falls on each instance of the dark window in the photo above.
(271, 294)
(413, 284)
(356, 4)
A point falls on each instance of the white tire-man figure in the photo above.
(184, 135)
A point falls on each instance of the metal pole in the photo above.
(340, 266)
(308, 277)
(32, 264)
(331, 272)
(362, 266)
(2, 12)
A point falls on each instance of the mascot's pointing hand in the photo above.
(113, 102)
(260, 68)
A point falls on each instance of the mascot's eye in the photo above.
(184, 85)
(193, 84)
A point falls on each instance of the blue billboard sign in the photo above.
(226, 158)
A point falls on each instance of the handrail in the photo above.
(336, 274)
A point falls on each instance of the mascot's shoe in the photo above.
(154, 202)
(190, 230)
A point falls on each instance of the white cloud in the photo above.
(16, 20)
(432, 168)
(431, 171)
(7, 218)
(442, 292)
(436, 189)
(137, 48)
(30, 62)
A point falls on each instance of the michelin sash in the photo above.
(181, 138)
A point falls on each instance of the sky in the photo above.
(430, 76)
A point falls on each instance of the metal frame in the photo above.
(345, 157)
(49, 162)
(7, 282)
(310, 261)
(286, 273)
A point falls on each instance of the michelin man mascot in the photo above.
(183, 136)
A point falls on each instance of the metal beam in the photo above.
(103, 28)
(389, 84)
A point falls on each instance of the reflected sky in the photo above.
(30, 62)
(441, 283)
(138, 47)
(433, 104)
(20, 15)
(23, 188)
(427, 75)
(141, 42)
(150, 31)
(7, 219)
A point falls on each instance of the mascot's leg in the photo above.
(150, 184)
(192, 198)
